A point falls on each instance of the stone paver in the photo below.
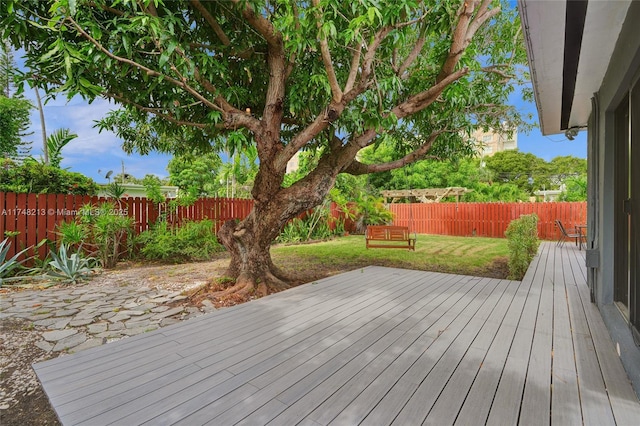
(71, 320)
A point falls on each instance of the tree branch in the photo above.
(355, 66)
(423, 99)
(482, 16)
(211, 21)
(148, 71)
(107, 9)
(411, 57)
(155, 111)
(292, 59)
(368, 61)
(495, 69)
(458, 39)
(358, 168)
(326, 56)
(258, 22)
(465, 30)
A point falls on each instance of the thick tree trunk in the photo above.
(249, 241)
(251, 265)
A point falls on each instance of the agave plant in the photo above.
(7, 267)
(70, 268)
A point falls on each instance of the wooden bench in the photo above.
(382, 236)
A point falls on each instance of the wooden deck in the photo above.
(374, 346)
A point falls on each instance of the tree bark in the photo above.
(249, 241)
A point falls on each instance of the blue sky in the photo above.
(92, 153)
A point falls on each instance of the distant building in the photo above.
(490, 142)
(294, 163)
(133, 190)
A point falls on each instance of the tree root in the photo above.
(246, 285)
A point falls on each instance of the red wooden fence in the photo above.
(35, 217)
(486, 219)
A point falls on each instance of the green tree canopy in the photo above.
(281, 76)
(14, 121)
(197, 175)
(522, 169)
(14, 111)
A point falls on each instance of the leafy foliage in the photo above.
(371, 211)
(115, 190)
(575, 189)
(8, 267)
(14, 120)
(522, 240)
(108, 233)
(55, 142)
(191, 241)
(522, 169)
(312, 226)
(505, 177)
(71, 268)
(35, 177)
(72, 234)
(14, 109)
(163, 58)
(197, 175)
(152, 185)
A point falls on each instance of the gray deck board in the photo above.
(372, 346)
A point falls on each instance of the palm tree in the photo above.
(55, 142)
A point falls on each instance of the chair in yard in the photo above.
(564, 235)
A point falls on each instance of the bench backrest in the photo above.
(389, 233)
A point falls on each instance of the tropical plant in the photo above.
(72, 234)
(115, 190)
(109, 232)
(55, 142)
(8, 267)
(191, 241)
(323, 75)
(371, 211)
(313, 225)
(522, 240)
(70, 268)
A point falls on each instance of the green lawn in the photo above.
(460, 255)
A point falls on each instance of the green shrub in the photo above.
(191, 241)
(34, 177)
(371, 211)
(522, 240)
(314, 226)
(103, 231)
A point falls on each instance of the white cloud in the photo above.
(91, 151)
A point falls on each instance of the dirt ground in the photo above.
(17, 340)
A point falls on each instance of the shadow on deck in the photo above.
(373, 346)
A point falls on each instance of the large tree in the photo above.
(14, 110)
(331, 75)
